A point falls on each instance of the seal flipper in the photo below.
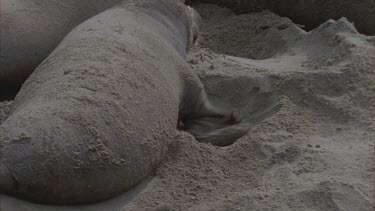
(7, 182)
(224, 136)
(219, 131)
(208, 123)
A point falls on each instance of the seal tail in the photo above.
(7, 182)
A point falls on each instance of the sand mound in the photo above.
(313, 102)
(310, 97)
(310, 13)
(254, 36)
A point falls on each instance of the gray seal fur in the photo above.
(97, 116)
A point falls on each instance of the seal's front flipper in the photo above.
(224, 136)
(217, 131)
(220, 129)
(207, 122)
(210, 124)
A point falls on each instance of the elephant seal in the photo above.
(31, 29)
(97, 116)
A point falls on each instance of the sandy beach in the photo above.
(310, 97)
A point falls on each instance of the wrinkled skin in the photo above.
(97, 116)
(310, 13)
(31, 30)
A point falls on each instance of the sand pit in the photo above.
(311, 99)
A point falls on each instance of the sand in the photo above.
(310, 13)
(311, 99)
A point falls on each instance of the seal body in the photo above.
(31, 30)
(96, 116)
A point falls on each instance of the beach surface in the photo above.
(310, 97)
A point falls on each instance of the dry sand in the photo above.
(310, 13)
(312, 98)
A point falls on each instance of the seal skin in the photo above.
(31, 29)
(96, 117)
